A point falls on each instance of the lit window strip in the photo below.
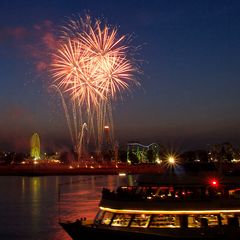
(132, 211)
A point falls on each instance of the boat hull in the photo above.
(78, 231)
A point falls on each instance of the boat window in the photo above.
(107, 218)
(212, 220)
(197, 221)
(230, 219)
(99, 216)
(121, 220)
(194, 221)
(164, 221)
(140, 220)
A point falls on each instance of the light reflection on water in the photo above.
(29, 206)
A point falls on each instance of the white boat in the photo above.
(165, 208)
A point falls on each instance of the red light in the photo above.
(214, 183)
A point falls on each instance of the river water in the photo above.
(30, 207)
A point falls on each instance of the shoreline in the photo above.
(33, 170)
(112, 169)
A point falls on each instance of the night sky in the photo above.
(188, 52)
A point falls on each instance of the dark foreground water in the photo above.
(30, 207)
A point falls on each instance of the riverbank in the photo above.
(47, 170)
(114, 169)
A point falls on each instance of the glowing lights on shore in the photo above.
(121, 174)
(172, 160)
(158, 160)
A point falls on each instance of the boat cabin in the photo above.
(172, 203)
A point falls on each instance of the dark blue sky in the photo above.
(189, 94)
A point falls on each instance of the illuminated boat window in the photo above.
(140, 220)
(197, 221)
(121, 220)
(230, 219)
(225, 217)
(99, 216)
(107, 218)
(165, 221)
(212, 220)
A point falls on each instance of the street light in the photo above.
(171, 162)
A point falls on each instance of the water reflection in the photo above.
(80, 198)
(29, 205)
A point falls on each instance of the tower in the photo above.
(107, 134)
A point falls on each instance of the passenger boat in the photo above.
(165, 208)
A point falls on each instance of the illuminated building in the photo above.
(142, 153)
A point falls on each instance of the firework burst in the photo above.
(91, 66)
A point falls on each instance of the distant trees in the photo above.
(222, 152)
(133, 157)
(122, 156)
(151, 157)
(10, 157)
(197, 155)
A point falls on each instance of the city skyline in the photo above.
(187, 51)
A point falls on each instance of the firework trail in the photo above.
(91, 66)
(75, 123)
